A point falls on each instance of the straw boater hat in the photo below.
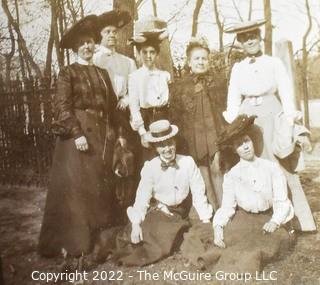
(150, 29)
(160, 131)
(85, 26)
(117, 18)
(237, 128)
(244, 27)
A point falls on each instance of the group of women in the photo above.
(88, 124)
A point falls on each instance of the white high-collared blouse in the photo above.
(255, 186)
(147, 88)
(267, 75)
(118, 66)
(170, 187)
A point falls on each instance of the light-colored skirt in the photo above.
(263, 135)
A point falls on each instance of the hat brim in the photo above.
(85, 26)
(245, 27)
(235, 129)
(113, 18)
(152, 139)
(147, 36)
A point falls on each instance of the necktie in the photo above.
(254, 56)
(166, 165)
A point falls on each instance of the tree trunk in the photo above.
(268, 28)
(219, 24)
(127, 31)
(195, 17)
(154, 8)
(250, 10)
(305, 67)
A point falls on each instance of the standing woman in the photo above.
(256, 85)
(196, 106)
(148, 87)
(79, 202)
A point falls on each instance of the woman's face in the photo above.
(250, 42)
(86, 48)
(243, 146)
(148, 56)
(166, 150)
(199, 60)
(109, 36)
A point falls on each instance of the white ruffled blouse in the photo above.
(255, 187)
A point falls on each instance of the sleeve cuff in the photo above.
(133, 216)
(142, 131)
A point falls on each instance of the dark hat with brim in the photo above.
(245, 27)
(115, 18)
(153, 36)
(87, 26)
(237, 128)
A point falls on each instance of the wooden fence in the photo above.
(26, 141)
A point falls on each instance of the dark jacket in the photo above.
(196, 106)
(86, 88)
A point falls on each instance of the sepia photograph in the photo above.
(159, 142)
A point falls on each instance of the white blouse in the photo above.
(147, 88)
(170, 187)
(255, 187)
(266, 75)
(118, 66)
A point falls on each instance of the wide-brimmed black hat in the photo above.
(237, 128)
(153, 37)
(86, 26)
(117, 18)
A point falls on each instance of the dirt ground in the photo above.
(21, 211)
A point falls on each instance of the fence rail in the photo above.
(26, 141)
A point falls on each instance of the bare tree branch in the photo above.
(196, 12)
(237, 10)
(219, 24)
(305, 65)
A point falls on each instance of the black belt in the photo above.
(155, 109)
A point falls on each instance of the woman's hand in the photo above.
(144, 142)
(122, 104)
(136, 233)
(218, 237)
(270, 227)
(81, 143)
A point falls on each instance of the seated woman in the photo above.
(169, 185)
(248, 227)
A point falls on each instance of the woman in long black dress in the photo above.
(79, 201)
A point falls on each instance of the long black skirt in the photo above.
(79, 200)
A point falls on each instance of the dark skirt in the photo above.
(162, 234)
(79, 200)
(248, 249)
